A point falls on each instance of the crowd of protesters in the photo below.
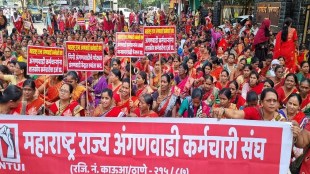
(239, 71)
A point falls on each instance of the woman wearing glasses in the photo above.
(267, 111)
(66, 106)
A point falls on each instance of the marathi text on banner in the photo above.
(84, 56)
(159, 39)
(129, 45)
(121, 146)
(45, 60)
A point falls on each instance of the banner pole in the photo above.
(160, 74)
(130, 86)
(44, 91)
(87, 104)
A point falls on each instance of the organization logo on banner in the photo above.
(9, 148)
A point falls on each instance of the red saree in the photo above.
(125, 105)
(113, 112)
(282, 97)
(150, 114)
(287, 49)
(73, 109)
(30, 108)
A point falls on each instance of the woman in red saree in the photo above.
(278, 80)
(20, 75)
(155, 75)
(304, 91)
(124, 100)
(292, 112)
(31, 105)
(52, 87)
(115, 81)
(121, 21)
(107, 108)
(191, 68)
(145, 107)
(252, 85)
(92, 22)
(224, 80)
(79, 91)
(184, 81)
(287, 89)
(65, 106)
(165, 100)
(225, 98)
(142, 86)
(210, 92)
(286, 45)
(61, 19)
(236, 98)
(10, 98)
(17, 21)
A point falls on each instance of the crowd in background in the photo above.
(242, 71)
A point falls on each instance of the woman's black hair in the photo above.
(287, 22)
(243, 59)
(167, 77)
(30, 83)
(206, 63)
(23, 66)
(143, 76)
(271, 83)
(127, 68)
(234, 82)
(178, 58)
(254, 60)
(74, 75)
(305, 80)
(216, 61)
(185, 67)
(197, 93)
(254, 73)
(117, 73)
(251, 97)
(226, 92)
(224, 70)
(148, 100)
(292, 75)
(248, 66)
(208, 76)
(4, 69)
(117, 61)
(109, 91)
(297, 96)
(265, 91)
(277, 67)
(193, 56)
(11, 93)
